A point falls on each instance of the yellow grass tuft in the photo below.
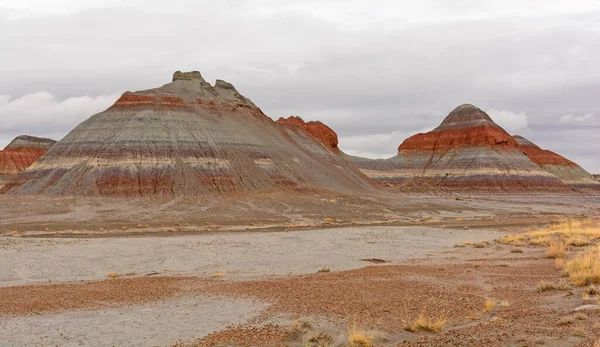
(488, 306)
(556, 250)
(113, 275)
(217, 275)
(574, 232)
(584, 267)
(425, 323)
(358, 337)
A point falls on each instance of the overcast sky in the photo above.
(374, 71)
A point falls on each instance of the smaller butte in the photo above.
(320, 131)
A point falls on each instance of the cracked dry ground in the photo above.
(381, 300)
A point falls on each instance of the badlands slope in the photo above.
(468, 151)
(187, 138)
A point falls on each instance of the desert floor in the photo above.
(285, 270)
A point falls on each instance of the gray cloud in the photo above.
(375, 74)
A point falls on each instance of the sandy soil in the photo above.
(388, 260)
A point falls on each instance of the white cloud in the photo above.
(572, 119)
(512, 122)
(46, 113)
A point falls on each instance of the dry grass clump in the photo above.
(544, 286)
(488, 306)
(574, 232)
(584, 267)
(324, 269)
(557, 249)
(217, 275)
(592, 290)
(479, 245)
(357, 337)
(516, 250)
(425, 323)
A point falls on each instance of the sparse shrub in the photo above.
(573, 232)
(516, 250)
(479, 245)
(425, 323)
(592, 290)
(557, 249)
(324, 269)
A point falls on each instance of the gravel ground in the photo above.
(239, 255)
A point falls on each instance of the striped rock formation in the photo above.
(20, 154)
(467, 151)
(562, 168)
(188, 138)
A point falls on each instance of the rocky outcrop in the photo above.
(597, 177)
(562, 168)
(468, 151)
(318, 130)
(188, 138)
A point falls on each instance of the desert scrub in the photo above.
(557, 249)
(357, 337)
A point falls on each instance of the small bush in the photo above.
(324, 269)
(516, 250)
(544, 286)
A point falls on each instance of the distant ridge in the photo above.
(467, 151)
